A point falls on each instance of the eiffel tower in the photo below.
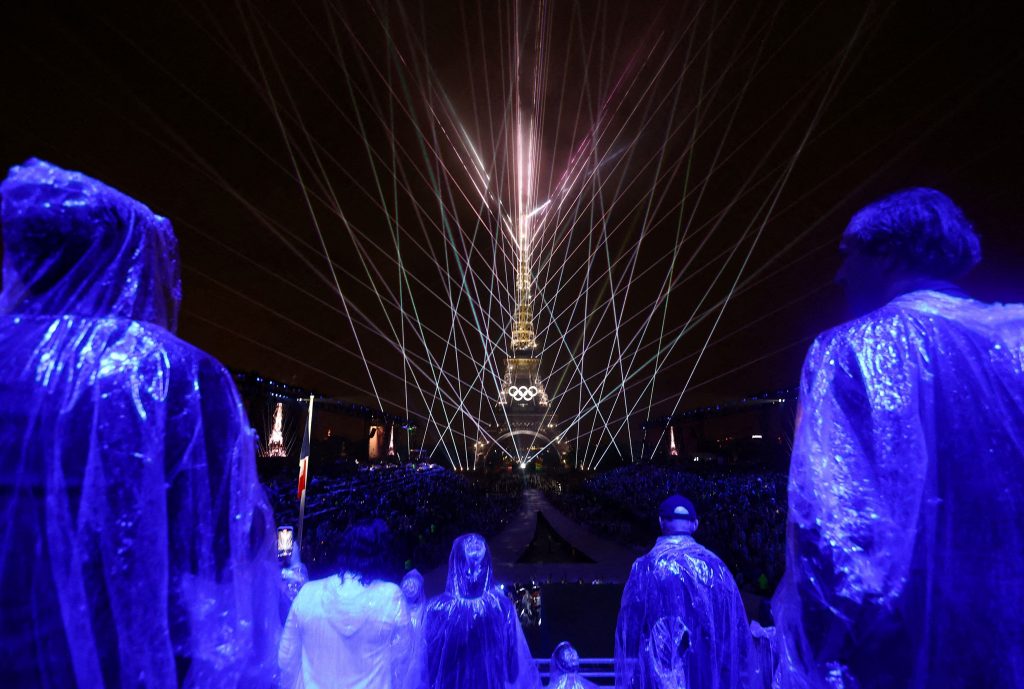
(527, 428)
(275, 444)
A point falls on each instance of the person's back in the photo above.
(352, 629)
(682, 621)
(933, 554)
(472, 635)
(136, 546)
(905, 545)
(349, 632)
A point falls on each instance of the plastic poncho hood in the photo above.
(74, 246)
(565, 669)
(472, 633)
(342, 632)
(905, 543)
(137, 545)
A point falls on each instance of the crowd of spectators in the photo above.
(425, 507)
(743, 516)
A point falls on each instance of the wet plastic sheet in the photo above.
(682, 622)
(472, 633)
(136, 544)
(905, 546)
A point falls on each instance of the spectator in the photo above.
(473, 638)
(681, 622)
(905, 554)
(424, 508)
(565, 669)
(415, 599)
(136, 547)
(744, 513)
(351, 629)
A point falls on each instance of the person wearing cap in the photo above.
(681, 622)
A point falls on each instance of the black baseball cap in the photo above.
(677, 507)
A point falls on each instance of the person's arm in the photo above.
(856, 480)
(627, 633)
(289, 651)
(223, 569)
(513, 633)
(404, 659)
(432, 647)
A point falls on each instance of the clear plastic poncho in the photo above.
(472, 635)
(682, 622)
(905, 547)
(136, 544)
(565, 669)
(415, 597)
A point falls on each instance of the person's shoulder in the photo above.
(385, 590)
(936, 310)
(711, 558)
(138, 339)
(440, 602)
(315, 585)
(642, 563)
(900, 324)
(884, 320)
(920, 311)
(501, 599)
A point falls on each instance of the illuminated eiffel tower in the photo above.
(275, 444)
(527, 428)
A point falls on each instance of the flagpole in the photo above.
(304, 471)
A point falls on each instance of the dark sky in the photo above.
(733, 140)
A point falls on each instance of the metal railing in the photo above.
(600, 671)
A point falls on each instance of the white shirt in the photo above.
(342, 633)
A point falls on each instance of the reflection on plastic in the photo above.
(905, 547)
(129, 473)
(472, 634)
(682, 622)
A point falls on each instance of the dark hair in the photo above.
(366, 551)
(920, 226)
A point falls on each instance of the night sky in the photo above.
(730, 143)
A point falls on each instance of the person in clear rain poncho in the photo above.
(415, 598)
(136, 544)
(681, 622)
(472, 635)
(905, 546)
(565, 669)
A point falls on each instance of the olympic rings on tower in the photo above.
(522, 393)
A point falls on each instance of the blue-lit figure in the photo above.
(905, 547)
(415, 597)
(472, 635)
(352, 629)
(565, 669)
(681, 621)
(136, 544)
